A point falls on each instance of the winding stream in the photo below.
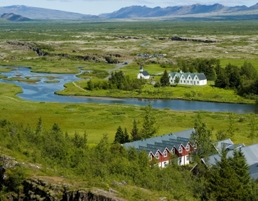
(46, 84)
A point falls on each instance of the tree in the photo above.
(149, 127)
(164, 80)
(223, 182)
(221, 135)
(239, 165)
(135, 131)
(119, 137)
(90, 85)
(177, 79)
(39, 126)
(249, 71)
(221, 80)
(203, 139)
(233, 74)
(126, 136)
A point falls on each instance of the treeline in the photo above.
(117, 80)
(244, 80)
(206, 66)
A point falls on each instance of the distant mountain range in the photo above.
(134, 12)
(43, 13)
(14, 17)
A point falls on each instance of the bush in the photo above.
(16, 177)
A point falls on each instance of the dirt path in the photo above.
(78, 87)
(11, 98)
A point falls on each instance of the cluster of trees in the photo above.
(244, 80)
(228, 179)
(149, 128)
(71, 155)
(117, 80)
(206, 66)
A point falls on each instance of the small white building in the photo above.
(188, 78)
(143, 74)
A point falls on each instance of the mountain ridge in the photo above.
(131, 12)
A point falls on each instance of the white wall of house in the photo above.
(188, 81)
(184, 160)
(163, 164)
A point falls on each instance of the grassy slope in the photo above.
(99, 119)
(102, 38)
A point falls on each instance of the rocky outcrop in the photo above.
(39, 189)
(176, 38)
(36, 189)
(109, 58)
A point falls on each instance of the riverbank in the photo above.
(206, 93)
(93, 117)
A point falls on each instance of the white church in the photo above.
(143, 74)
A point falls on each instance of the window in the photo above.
(187, 147)
(165, 153)
(180, 149)
(157, 155)
(179, 161)
(165, 164)
(187, 158)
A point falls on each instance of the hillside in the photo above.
(14, 17)
(179, 11)
(42, 13)
(195, 10)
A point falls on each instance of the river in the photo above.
(43, 91)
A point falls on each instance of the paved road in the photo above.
(118, 66)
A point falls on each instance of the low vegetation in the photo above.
(70, 140)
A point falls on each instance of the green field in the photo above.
(122, 41)
(95, 48)
(99, 119)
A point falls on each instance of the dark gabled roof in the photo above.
(251, 156)
(145, 73)
(162, 142)
(201, 76)
(253, 169)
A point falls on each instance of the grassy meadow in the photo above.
(236, 43)
(98, 119)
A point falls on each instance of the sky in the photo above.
(96, 7)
